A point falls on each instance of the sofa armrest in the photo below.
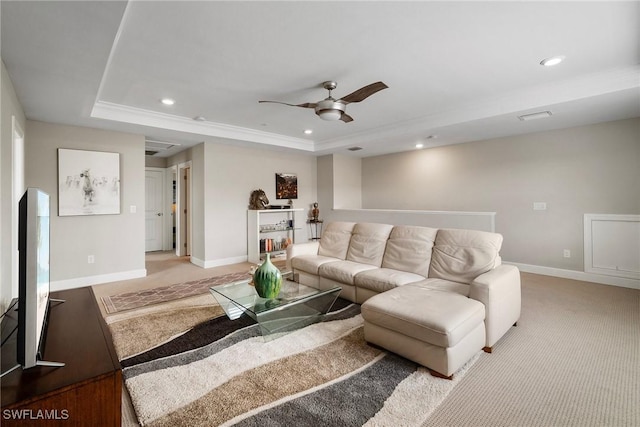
(307, 248)
(499, 291)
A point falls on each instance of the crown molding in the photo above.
(138, 116)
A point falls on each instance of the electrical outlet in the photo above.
(91, 259)
(539, 206)
(566, 253)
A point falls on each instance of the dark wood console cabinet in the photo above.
(87, 391)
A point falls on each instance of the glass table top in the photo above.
(296, 305)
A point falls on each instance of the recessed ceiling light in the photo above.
(308, 131)
(534, 116)
(554, 60)
(167, 101)
(419, 145)
(199, 118)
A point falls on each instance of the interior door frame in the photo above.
(183, 201)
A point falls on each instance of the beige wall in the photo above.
(198, 202)
(230, 174)
(116, 241)
(325, 186)
(155, 162)
(588, 169)
(10, 110)
(347, 176)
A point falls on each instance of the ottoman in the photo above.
(439, 330)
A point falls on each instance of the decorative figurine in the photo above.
(315, 212)
(258, 200)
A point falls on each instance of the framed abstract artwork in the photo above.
(88, 182)
(286, 186)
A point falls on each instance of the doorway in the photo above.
(154, 209)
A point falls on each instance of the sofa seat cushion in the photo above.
(384, 279)
(444, 285)
(310, 263)
(436, 317)
(463, 255)
(343, 271)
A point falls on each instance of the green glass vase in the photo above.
(267, 279)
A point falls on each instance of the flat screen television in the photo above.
(33, 270)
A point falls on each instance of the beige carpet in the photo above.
(574, 359)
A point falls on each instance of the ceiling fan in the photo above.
(334, 109)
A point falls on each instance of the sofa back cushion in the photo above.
(335, 239)
(463, 255)
(409, 249)
(368, 242)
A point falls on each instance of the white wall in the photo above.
(588, 169)
(10, 109)
(116, 241)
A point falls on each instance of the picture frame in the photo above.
(88, 182)
(286, 186)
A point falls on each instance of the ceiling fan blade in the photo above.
(364, 92)
(305, 105)
(346, 118)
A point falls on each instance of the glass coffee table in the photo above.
(295, 307)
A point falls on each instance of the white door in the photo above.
(154, 209)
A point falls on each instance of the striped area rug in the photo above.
(131, 300)
(186, 364)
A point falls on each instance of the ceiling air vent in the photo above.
(534, 116)
(153, 147)
(354, 148)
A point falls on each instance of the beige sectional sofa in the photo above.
(368, 259)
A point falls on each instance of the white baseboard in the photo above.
(218, 262)
(577, 275)
(80, 282)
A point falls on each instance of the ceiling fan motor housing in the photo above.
(330, 109)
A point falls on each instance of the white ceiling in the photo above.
(462, 71)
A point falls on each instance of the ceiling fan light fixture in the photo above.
(331, 115)
(330, 109)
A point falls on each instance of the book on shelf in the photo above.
(271, 245)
